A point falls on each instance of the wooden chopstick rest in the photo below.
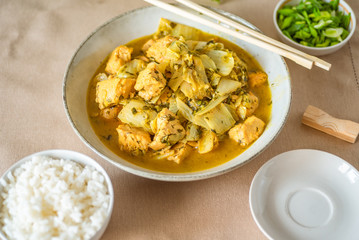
(320, 120)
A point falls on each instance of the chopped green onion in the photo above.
(313, 32)
(324, 44)
(345, 34)
(316, 23)
(320, 24)
(296, 27)
(334, 4)
(346, 21)
(304, 43)
(302, 35)
(286, 22)
(285, 11)
(287, 34)
(333, 32)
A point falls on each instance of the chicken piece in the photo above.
(179, 152)
(118, 57)
(126, 88)
(110, 112)
(150, 82)
(147, 45)
(165, 97)
(158, 50)
(108, 92)
(133, 139)
(193, 143)
(247, 132)
(168, 130)
(143, 58)
(248, 104)
(257, 78)
(100, 77)
(176, 153)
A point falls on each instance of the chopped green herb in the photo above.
(171, 118)
(314, 23)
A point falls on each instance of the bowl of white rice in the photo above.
(55, 194)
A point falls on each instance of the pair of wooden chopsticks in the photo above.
(250, 35)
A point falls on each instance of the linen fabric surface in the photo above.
(37, 41)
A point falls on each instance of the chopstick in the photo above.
(302, 60)
(317, 61)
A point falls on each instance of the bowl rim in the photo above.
(159, 175)
(78, 158)
(345, 6)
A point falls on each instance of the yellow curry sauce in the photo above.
(227, 149)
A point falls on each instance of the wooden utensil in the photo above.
(320, 120)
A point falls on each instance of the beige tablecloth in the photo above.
(37, 40)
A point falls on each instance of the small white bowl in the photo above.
(316, 51)
(306, 194)
(78, 158)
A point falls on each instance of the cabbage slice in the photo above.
(232, 110)
(173, 105)
(208, 142)
(212, 104)
(219, 119)
(193, 132)
(200, 70)
(227, 86)
(187, 32)
(138, 114)
(192, 87)
(131, 69)
(176, 79)
(207, 62)
(223, 60)
(166, 27)
(200, 121)
(177, 49)
(187, 113)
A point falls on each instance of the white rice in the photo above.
(48, 198)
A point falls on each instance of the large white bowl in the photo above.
(78, 158)
(144, 21)
(343, 6)
(306, 194)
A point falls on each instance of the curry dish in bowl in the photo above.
(179, 100)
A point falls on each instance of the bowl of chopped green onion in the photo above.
(317, 27)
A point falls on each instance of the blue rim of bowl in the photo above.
(165, 176)
(347, 9)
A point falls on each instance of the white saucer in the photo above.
(306, 194)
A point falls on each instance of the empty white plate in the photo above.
(306, 194)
